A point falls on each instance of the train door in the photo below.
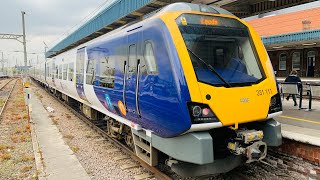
(132, 73)
(53, 72)
(80, 73)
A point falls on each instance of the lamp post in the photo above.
(45, 50)
(24, 40)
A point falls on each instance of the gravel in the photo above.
(16, 150)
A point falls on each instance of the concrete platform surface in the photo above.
(57, 159)
(300, 124)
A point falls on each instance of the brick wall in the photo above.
(307, 152)
(296, 156)
(274, 57)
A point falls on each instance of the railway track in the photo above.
(5, 95)
(99, 126)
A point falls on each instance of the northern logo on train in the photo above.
(244, 100)
(107, 102)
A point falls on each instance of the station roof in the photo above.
(119, 13)
(287, 31)
(286, 23)
(122, 12)
(303, 36)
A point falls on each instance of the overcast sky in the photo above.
(46, 20)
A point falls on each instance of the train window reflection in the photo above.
(91, 71)
(65, 69)
(132, 59)
(150, 58)
(80, 65)
(60, 71)
(227, 50)
(107, 68)
(71, 71)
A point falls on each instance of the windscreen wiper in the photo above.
(211, 69)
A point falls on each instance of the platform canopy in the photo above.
(122, 12)
(310, 38)
(117, 14)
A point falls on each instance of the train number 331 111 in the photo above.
(262, 92)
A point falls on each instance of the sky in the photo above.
(47, 21)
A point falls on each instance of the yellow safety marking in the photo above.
(299, 119)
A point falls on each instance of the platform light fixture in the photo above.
(309, 44)
(277, 47)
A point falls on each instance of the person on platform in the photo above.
(293, 77)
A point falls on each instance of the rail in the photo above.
(7, 98)
(5, 84)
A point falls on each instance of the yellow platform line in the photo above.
(299, 119)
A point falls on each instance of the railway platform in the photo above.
(300, 124)
(54, 159)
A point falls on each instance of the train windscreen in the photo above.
(221, 50)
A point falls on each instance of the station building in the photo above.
(292, 40)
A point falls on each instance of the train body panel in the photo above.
(243, 92)
(156, 100)
(106, 71)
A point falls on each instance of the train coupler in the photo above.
(250, 144)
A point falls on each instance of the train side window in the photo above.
(60, 71)
(132, 69)
(80, 65)
(53, 66)
(57, 72)
(71, 71)
(107, 68)
(47, 69)
(65, 69)
(91, 71)
(150, 58)
(121, 56)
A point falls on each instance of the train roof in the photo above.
(124, 12)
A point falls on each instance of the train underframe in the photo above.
(193, 154)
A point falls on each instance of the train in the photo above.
(191, 84)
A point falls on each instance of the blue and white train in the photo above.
(191, 82)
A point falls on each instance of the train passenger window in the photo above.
(53, 70)
(150, 58)
(107, 68)
(65, 69)
(47, 69)
(121, 55)
(132, 69)
(57, 72)
(60, 71)
(70, 72)
(91, 71)
(80, 65)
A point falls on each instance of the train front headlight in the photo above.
(201, 113)
(275, 104)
